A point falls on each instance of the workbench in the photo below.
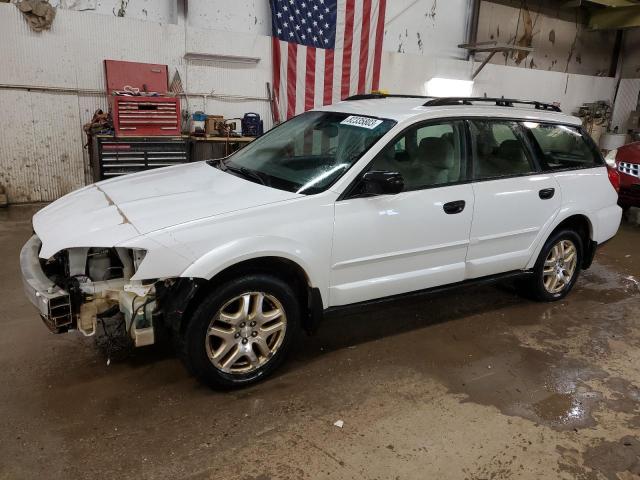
(205, 148)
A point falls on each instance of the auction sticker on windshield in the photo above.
(363, 122)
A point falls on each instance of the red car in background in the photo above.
(627, 163)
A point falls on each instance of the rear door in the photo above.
(514, 201)
(391, 244)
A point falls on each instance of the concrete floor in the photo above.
(473, 384)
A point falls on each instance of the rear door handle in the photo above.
(454, 207)
(546, 193)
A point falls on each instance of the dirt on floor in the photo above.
(477, 384)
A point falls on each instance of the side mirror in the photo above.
(377, 182)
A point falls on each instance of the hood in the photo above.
(629, 153)
(113, 211)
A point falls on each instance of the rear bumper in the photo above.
(53, 303)
(606, 222)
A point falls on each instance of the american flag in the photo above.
(324, 51)
(176, 84)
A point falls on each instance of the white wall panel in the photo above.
(248, 16)
(408, 73)
(18, 162)
(626, 102)
(40, 160)
(246, 79)
(162, 11)
(571, 90)
(71, 53)
(227, 78)
(58, 144)
(426, 27)
(222, 43)
(31, 58)
(130, 40)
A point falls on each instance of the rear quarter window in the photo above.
(562, 146)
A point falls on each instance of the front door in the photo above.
(390, 244)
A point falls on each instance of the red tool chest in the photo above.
(141, 115)
(146, 116)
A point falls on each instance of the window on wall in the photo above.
(562, 146)
(426, 156)
(498, 150)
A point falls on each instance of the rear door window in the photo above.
(498, 150)
(561, 146)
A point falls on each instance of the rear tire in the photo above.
(241, 332)
(557, 267)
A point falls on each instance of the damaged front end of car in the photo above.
(77, 288)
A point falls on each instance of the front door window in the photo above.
(426, 156)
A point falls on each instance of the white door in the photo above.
(514, 204)
(391, 244)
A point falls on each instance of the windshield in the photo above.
(309, 152)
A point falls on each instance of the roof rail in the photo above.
(374, 96)
(500, 102)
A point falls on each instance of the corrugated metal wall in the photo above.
(39, 159)
(626, 102)
(41, 138)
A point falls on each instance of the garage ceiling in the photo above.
(610, 14)
(613, 3)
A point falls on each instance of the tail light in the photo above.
(614, 178)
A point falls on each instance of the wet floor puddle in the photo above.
(564, 408)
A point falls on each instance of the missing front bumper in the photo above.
(53, 303)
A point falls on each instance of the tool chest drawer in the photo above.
(112, 157)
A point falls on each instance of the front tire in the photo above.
(242, 331)
(557, 268)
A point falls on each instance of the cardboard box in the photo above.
(212, 124)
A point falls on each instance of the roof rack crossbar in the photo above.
(500, 102)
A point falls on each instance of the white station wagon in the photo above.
(373, 197)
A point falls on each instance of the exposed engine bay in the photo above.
(98, 285)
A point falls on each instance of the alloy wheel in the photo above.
(246, 333)
(560, 266)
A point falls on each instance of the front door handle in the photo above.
(454, 207)
(546, 193)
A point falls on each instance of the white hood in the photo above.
(110, 212)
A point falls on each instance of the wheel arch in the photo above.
(190, 291)
(583, 226)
